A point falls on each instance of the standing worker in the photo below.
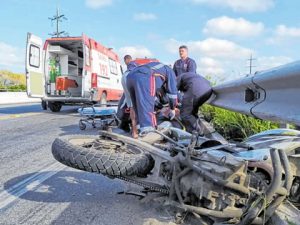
(184, 64)
(127, 100)
(142, 83)
(196, 91)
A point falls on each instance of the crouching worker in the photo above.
(142, 83)
(196, 91)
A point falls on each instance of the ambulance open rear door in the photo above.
(35, 67)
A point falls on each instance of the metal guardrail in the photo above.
(270, 95)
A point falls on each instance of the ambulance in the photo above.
(70, 71)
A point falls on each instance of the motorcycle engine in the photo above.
(219, 183)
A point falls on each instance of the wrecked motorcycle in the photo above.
(216, 181)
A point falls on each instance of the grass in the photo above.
(234, 126)
(13, 88)
(16, 78)
(12, 81)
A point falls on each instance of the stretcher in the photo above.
(96, 116)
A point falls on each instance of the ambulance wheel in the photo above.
(103, 100)
(82, 125)
(44, 105)
(55, 106)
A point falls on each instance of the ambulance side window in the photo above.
(87, 56)
(113, 67)
(34, 56)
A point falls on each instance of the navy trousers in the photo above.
(142, 89)
(190, 107)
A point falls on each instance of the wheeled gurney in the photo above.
(98, 115)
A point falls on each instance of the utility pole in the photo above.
(251, 64)
(58, 19)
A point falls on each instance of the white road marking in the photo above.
(31, 183)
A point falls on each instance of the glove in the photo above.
(172, 114)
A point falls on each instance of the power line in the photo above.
(251, 64)
(58, 18)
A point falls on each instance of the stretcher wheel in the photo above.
(82, 125)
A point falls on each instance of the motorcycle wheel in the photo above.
(107, 157)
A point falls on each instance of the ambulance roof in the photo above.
(91, 43)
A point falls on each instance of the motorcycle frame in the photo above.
(274, 195)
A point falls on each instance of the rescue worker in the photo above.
(184, 64)
(127, 59)
(142, 83)
(196, 91)
(127, 100)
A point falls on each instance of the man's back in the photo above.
(193, 82)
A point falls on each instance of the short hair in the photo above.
(127, 57)
(183, 46)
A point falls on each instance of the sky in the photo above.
(221, 34)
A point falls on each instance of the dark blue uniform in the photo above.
(143, 82)
(184, 66)
(197, 90)
(131, 65)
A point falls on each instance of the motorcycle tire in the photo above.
(78, 152)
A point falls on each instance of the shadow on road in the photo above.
(68, 186)
(64, 111)
(92, 199)
(16, 109)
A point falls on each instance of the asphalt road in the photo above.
(35, 189)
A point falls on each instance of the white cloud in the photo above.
(11, 57)
(239, 5)
(95, 4)
(224, 60)
(221, 59)
(135, 51)
(211, 47)
(226, 26)
(219, 48)
(290, 32)
(264, 63)
(209, 66)
(284, 35)
(144, 16)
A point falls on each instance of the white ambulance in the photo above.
(71, 70)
